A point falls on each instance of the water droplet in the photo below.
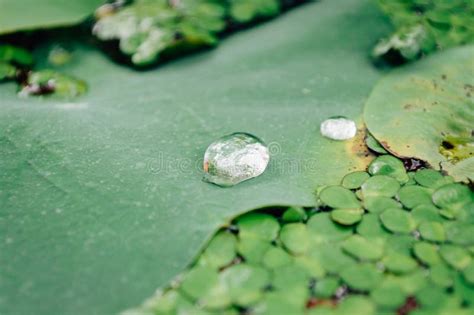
(235, 158)
(338, 128)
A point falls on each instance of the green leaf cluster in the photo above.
(423, 26)
(413, 252)
(16, 64)
(148, 29)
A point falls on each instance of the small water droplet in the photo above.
(338, 128)
(235, 158)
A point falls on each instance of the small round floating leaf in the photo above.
(347, 216)
(453, 196)
(311, 265)
(221, 250)
(441, 275)
(290, 276)
(388, 296)
(331, 257)
(456, 256)
(294, 214)
(447, 214)
(245, 283)
(363, 277)
(390, 166)
(356, 305)
(380, 185)
(427, 253)
(426, 212)
(411, 282)
(399, 263)
(431, 297)
(374, 145)
(432, 231)
(400, 243)
(252, 248)
(280, 302)
(460, 233)
(378, 204)
(354, 180)
(323, 229)
(371, 227)
(217, 297)
(276, 257)
(326, 287)
(464, 289)
(259, 225)
(412, 196)
(468, 273)
(199, 281)
(431, 178)
(362, 248)
(295, 237)
(338, 197)
(397, 220)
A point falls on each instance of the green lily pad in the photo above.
(312, 266)
(388, 296)
(455, 197)
(331, 257)
(294, 214)
(399, 263)
(371, 227)
(323, 229)
(400, 243)
(431, 179)
(397, 220)
(354, 180)
(378, 204)
(27, 14)
(456, 256)
(427, 253)
(408, 102)
(252, 248)
(258, 225)
(380, 185)
(362, 248)
(432, 231)
(347, 216)
(295, 237)
(426, 212)
(412, 196)
(199, 281)
(390, 166)
(276, 257)
(374, 145)
(338, 197)
(290, 276)
(441, 275)
(468, 273)
(326, 287)
(220, 251)
(431, 297)
(363, 277)
(245, 283)
(356, 305)
(460, 232)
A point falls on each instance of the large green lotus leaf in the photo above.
(20, 15)
(426, 110)
(101, 199)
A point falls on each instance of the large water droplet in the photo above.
(338, 128)
(235, 158)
